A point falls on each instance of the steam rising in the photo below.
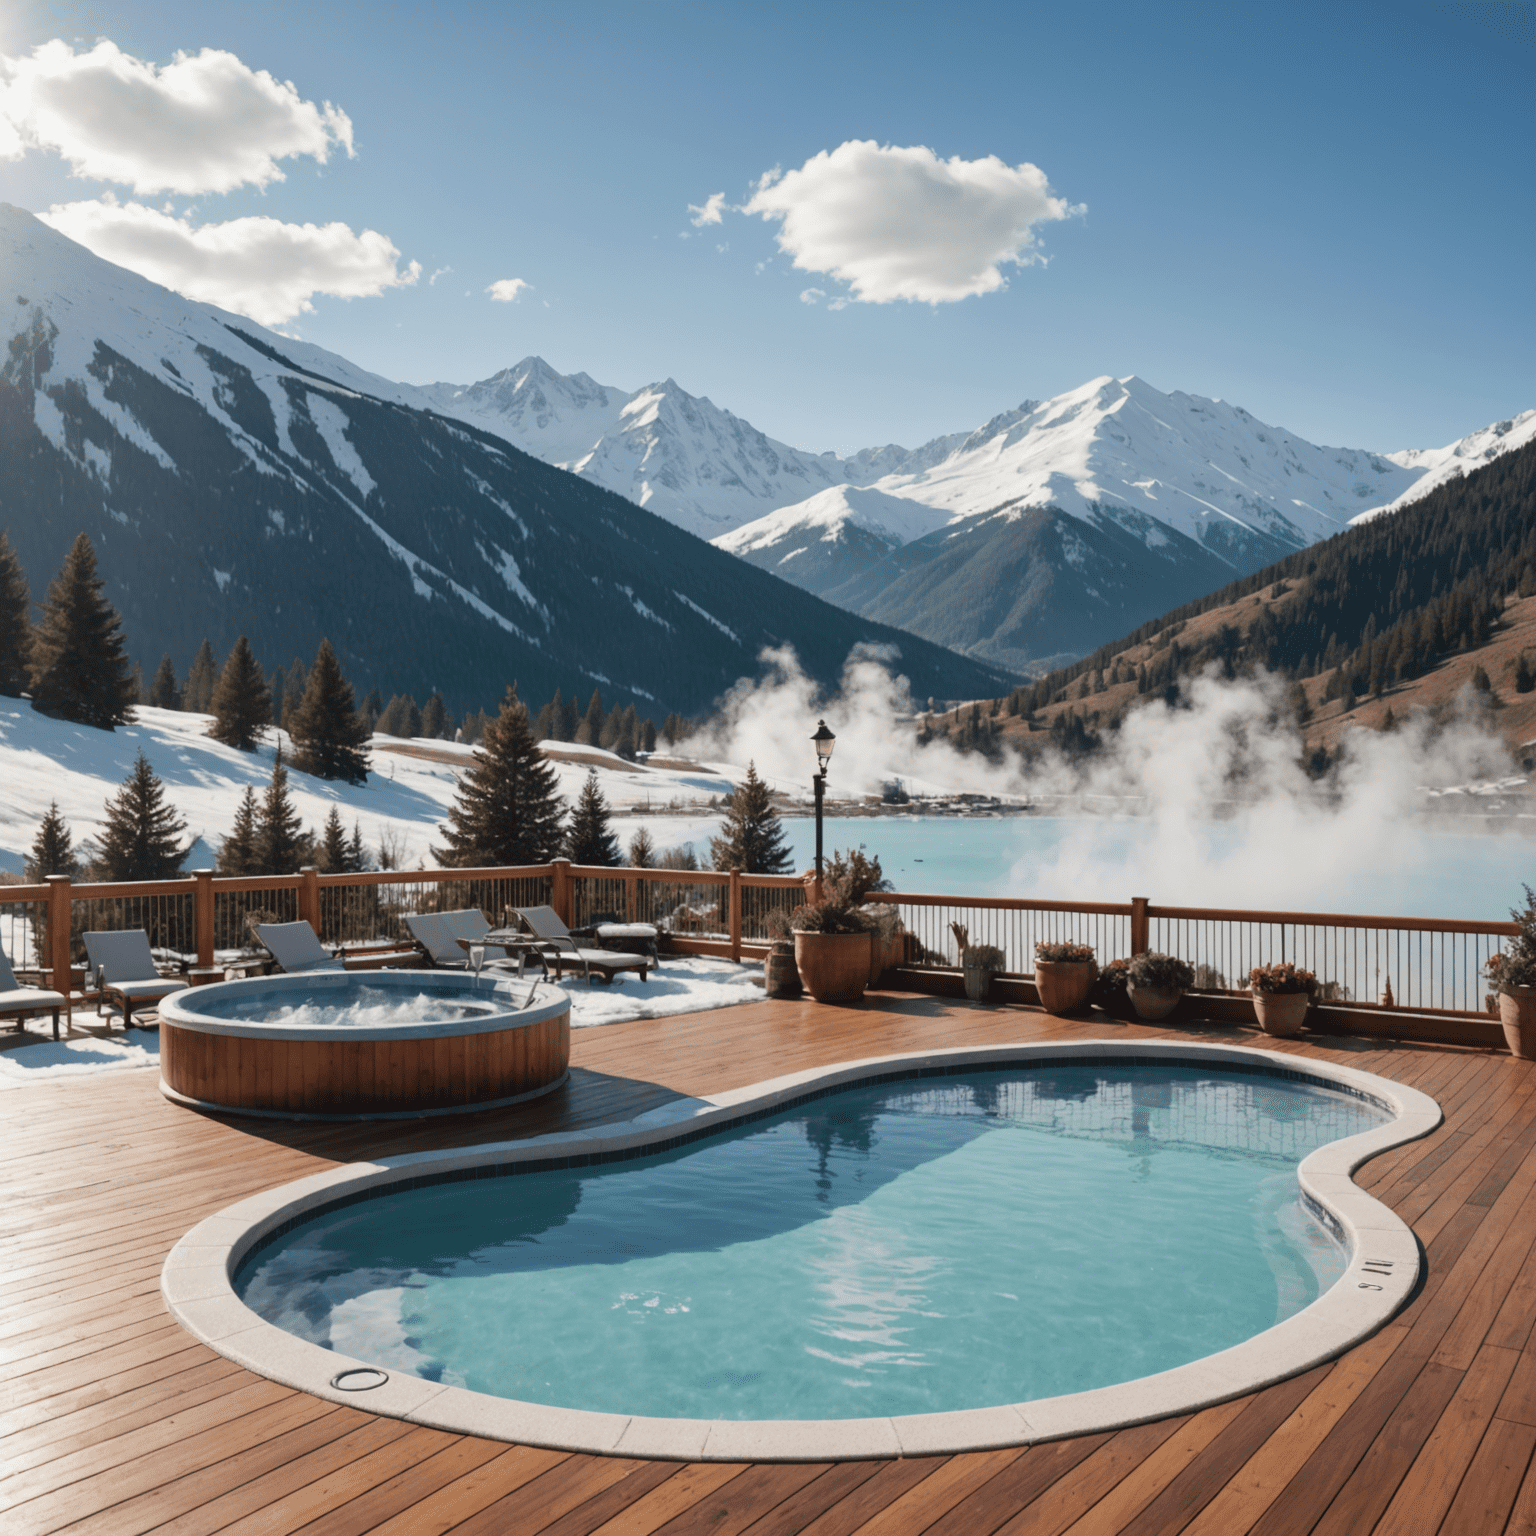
(1225, 814)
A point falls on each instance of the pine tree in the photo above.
(281, 846)
(357, 852)
(15, 623)
(751, 838)
(295, 681)
(136, 684)
(472, 727)
(642, 850)
(647, 735)
(436, 721)
(672, 729)
(508, 809)
(629, 728)
(612, 722)
(590, 839)
(1525, 681)
(197, 696)
(142, 836)
(544, 726)
(1480, 680)
(570, 718)
(328, 734)
(237, 853)
(79, 671)
(333, 855)
(241, 705)
(164, 692)
(370, 709)
(590, 732)
(553, 718)
(53, 849)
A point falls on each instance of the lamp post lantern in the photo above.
(824, 741)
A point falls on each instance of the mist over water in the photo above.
(1201, 804)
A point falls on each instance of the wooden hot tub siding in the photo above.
(350, 1077)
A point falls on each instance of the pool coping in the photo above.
(1383, 1270)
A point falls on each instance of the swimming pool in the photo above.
(951, 1251)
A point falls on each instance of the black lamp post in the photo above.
(824, 740)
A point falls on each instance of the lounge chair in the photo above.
(125, 969)
(295, 948)
(20, 1003)
(558, 946)
(444, 935)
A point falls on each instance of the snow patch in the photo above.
(725, 629)
(332, 422)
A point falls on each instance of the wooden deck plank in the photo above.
(112, 1419)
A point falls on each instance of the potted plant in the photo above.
(832, 944)
(1513, 973)
(856, 875)
(781, 976)
(1156, 983)
(1110, 991)
(1063, 975)
(979, 963)
(1281, 996)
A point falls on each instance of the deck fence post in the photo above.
(735, 916)
(560, 890)
(58, 932)
(309, 896)
(1141, 927)
(202, 917)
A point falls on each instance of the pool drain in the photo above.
(359, 1379)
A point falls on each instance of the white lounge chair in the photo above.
(444, 937)
(20, 1003)
(296, 948)
(125, 968)
(558, 946)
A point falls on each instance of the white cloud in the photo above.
(507, 290)
(711, 213)
(203, 123)
(441, 271)
(900, 223)
(259, 267)
(812, 295)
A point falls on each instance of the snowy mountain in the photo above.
(1437, 466)
(1205, 490)
(235, 481)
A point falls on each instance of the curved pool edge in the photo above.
(1383, 1270)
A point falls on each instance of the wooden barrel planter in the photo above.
(781, 976)
(214, 1055)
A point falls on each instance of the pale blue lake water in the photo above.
(1277, 860)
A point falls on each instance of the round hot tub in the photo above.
(343, 1045)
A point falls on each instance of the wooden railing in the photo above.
(1368, 966)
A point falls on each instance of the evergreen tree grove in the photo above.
(590, 839)
(751, 838)
(508, 809)
(79, 671)
(15, 623)
(142, 839)
(241, 705)
(53, 849)
(329, 737)
(642, 850)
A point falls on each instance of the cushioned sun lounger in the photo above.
(559, 948)
(125, 969)
(295, 947)
(20, 1003)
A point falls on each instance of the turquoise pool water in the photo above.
(912, 1247)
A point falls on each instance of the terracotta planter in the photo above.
(1063, 984)
(781, 976)
(978, 982)
(1517, 1013)
(1154, 1003)
(834, 967)
(1281, 1013)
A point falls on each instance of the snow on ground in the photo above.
(684, 984)
(405, 799)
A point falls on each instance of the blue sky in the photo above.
(1323, 213)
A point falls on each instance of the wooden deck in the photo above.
(114, 1420)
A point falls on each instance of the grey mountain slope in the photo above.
(231, 487)
(1027, 592)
